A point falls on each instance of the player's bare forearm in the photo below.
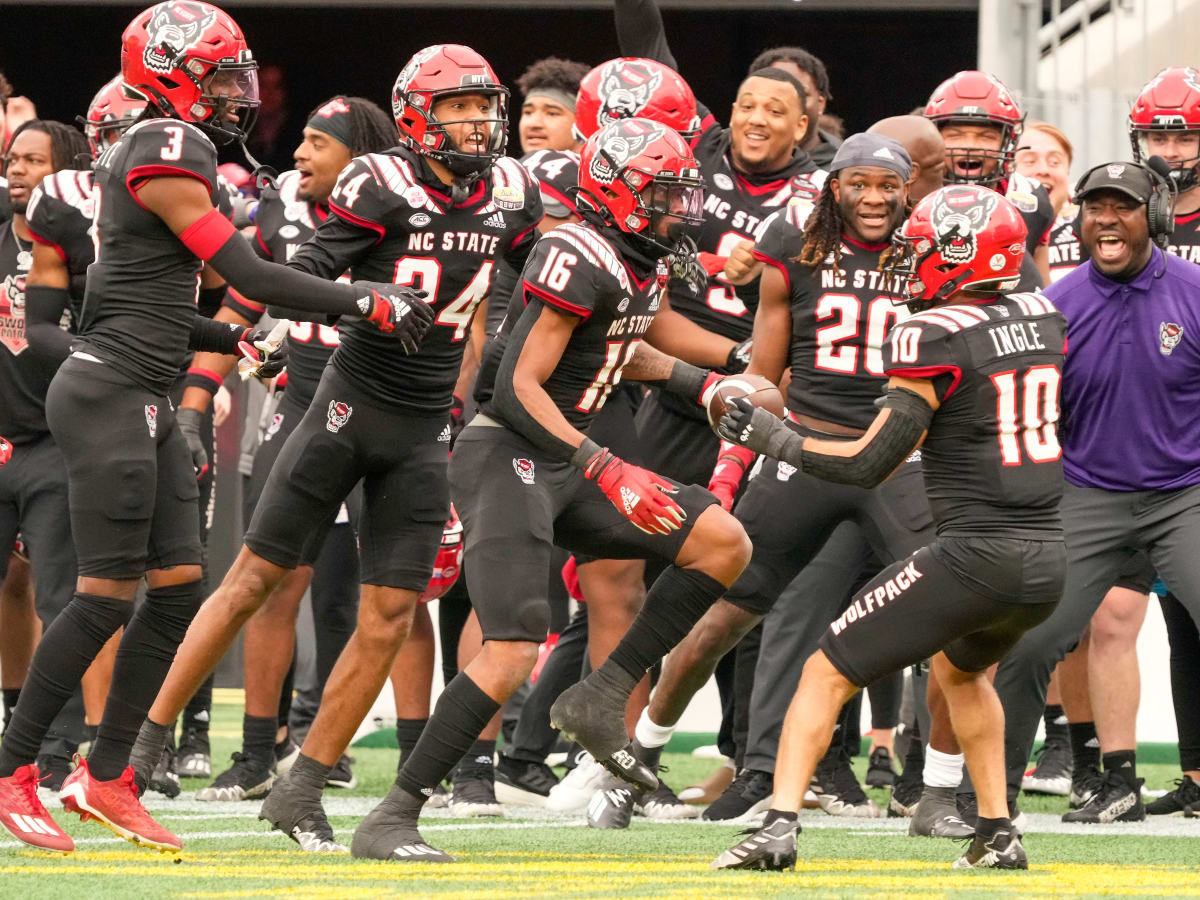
(772, 327)
(678, 336)
(648, 364)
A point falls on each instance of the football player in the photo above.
(435, 214)
(521, 470)
(288, 214)
(960, 370)
(33, 490)
(981, 123)
(132, 478)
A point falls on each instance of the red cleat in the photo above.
(115, 805)
(22, 813)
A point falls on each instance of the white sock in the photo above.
(650, 735)
(942, 769)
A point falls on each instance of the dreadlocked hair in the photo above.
(68, 147)
(371, 129)
(822, 232)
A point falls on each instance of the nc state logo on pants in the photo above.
(338, 415)
(152, 419)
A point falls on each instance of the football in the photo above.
(755, 388)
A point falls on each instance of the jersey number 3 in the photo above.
(1028, 407)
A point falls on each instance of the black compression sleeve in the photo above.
(686, 380)
(44, 307)
(209, 300)
(270, 283)
(504, 282)
(899, 435)
(504, 394)
(211, 336)
(640, 31)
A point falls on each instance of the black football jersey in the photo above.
(393, 222)
(840, 316)
(1032, 201)
(281, 225)
(1185, 239)
(556, 171)
(1066, 251)
(23, 378)
(140, 301)
(575, 268)
(60, 215)
(992, 460)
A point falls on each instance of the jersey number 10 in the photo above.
(1029, 408)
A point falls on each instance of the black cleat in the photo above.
(770, 848)
(1052, 774)
(1084, 783)
(193, 759)
(390, 832)
(247, 779)
(838, 791)
(1002, 850)
(879, 770)
(163, 779)
(1115, 801)
(906, 794)
(300, 818)
(1177, 802)
(595, 718)
(746, 798)
(523, 781)
(341, 776)
(612, 805)
(937, 816)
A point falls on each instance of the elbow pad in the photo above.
(891, 445)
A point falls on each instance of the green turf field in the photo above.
(229, 854)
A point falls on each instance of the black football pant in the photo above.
(1185, 676)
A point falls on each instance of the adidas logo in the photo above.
(31, 824)
(883, 153)
(630, 498)
(495, 220)
(444, 437)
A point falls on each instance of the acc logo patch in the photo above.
(508, 197)
(524, 469)
(287, 232)
(337, 415)
(723, 181)
(1169, 336)
(152, 419)
(419, 220)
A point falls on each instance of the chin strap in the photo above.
(262, 176)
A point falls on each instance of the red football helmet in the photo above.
(1170, 101)
(442, 71)
(448, 565)
(190, 60)
(631, 86)
(977, 98)
(634, 173)
(109, 114)
(964, 237)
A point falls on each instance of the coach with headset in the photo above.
(1130, 434)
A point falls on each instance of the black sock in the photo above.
(462, 712)
(985, 828)
(650, 756)
(10, 703)
(143, 659)
(1085, 746)
(89, 732)
(408, 732)
(674, 603)
(1056, 722)
(285, 695)
(309, 776)
(258, 737)
(147, 750)
(479, 761)
(1124, 764)
(65, 652)
(914, 757)
(775, 815)
(198, 713)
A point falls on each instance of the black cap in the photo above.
(1127, 178)
(868, 149)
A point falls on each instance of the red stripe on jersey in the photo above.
(350, 217)
(759, 190)
(47, 243)
(258, 237)
(877, 248)
(82, 179)
(775, 264)
(547, 188)
(138, 174)
(930, 372)
(934, 318)
(553, 300)
(208, 234)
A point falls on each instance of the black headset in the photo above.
(1160, 205)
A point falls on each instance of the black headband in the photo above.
(333, 118)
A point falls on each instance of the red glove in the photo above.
(5, 450)
(639, 494)
(727, 474)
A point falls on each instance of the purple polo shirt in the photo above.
(1131, 381)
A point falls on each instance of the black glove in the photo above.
(269, 362)
(758, 429)
(189, 421)
(398, 311)
(739, 357)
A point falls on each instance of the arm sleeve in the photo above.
(640, 31)
(780, 239)
(44, 308)
(210, 336)
(923, 347)
(209, 300)
(500, 295)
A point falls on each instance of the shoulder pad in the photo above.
(73, 187)
(593, 247)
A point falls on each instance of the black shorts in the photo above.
(401, 459)
(516, 506)
(675, 446)
(971, 598)
(789, 515)
(1138, 574)
(133, 492)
